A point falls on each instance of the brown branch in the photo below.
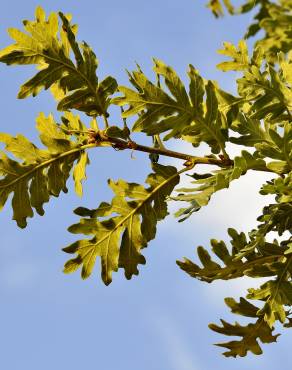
(120, 144)
(97, 137)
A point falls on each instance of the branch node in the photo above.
(132, 145)
(93, 136)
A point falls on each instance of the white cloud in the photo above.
(238, 206)
(217, 291)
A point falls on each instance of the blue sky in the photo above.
(158, 320)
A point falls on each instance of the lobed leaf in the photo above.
(49, 46)
(281, 187)
(272, 18)
(267, 90)
(277, 294)
(217, 9)
(240, 57)
(270, 141)
(184, 115)
(267, 261)
(41, 173)
(200, 195)
(126, 225)
(251, 334)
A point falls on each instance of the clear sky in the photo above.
(158, 320)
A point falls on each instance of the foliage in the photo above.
(258, 119)
(132, 225)
(274, 18)
(41, 173)
(76, 84)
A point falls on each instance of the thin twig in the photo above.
(121, 144)
(97, 137)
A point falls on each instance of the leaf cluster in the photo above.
(193, 115)
(258, 118)
(253, 257)
(274, 18)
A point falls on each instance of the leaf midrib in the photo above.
(273, 296)
(136, 209)
(71, 67)
(47, 163)
(240, 267)
(150, 102)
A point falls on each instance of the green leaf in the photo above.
(251, 131)
(266, 262)
(158, 111)
(267, 90)
(272, 18)
(281, 187)
(279, 167)
(208, 128)
(276, 294)
(269, 141)
(277, 217)
(200, 195)
(79, 173)
(185, 115)
(286, 66)
(217, 9)
(250, 334)
(275, 20)
(243, 307)
(41, 173)
(240, 57)
(130, 224)
(278, 147)
(48, 46)
(117, 132)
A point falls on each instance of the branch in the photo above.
(120, 144)
(95, 138)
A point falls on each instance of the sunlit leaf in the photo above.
(40, 173)
(49, 45)
(129, 224)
